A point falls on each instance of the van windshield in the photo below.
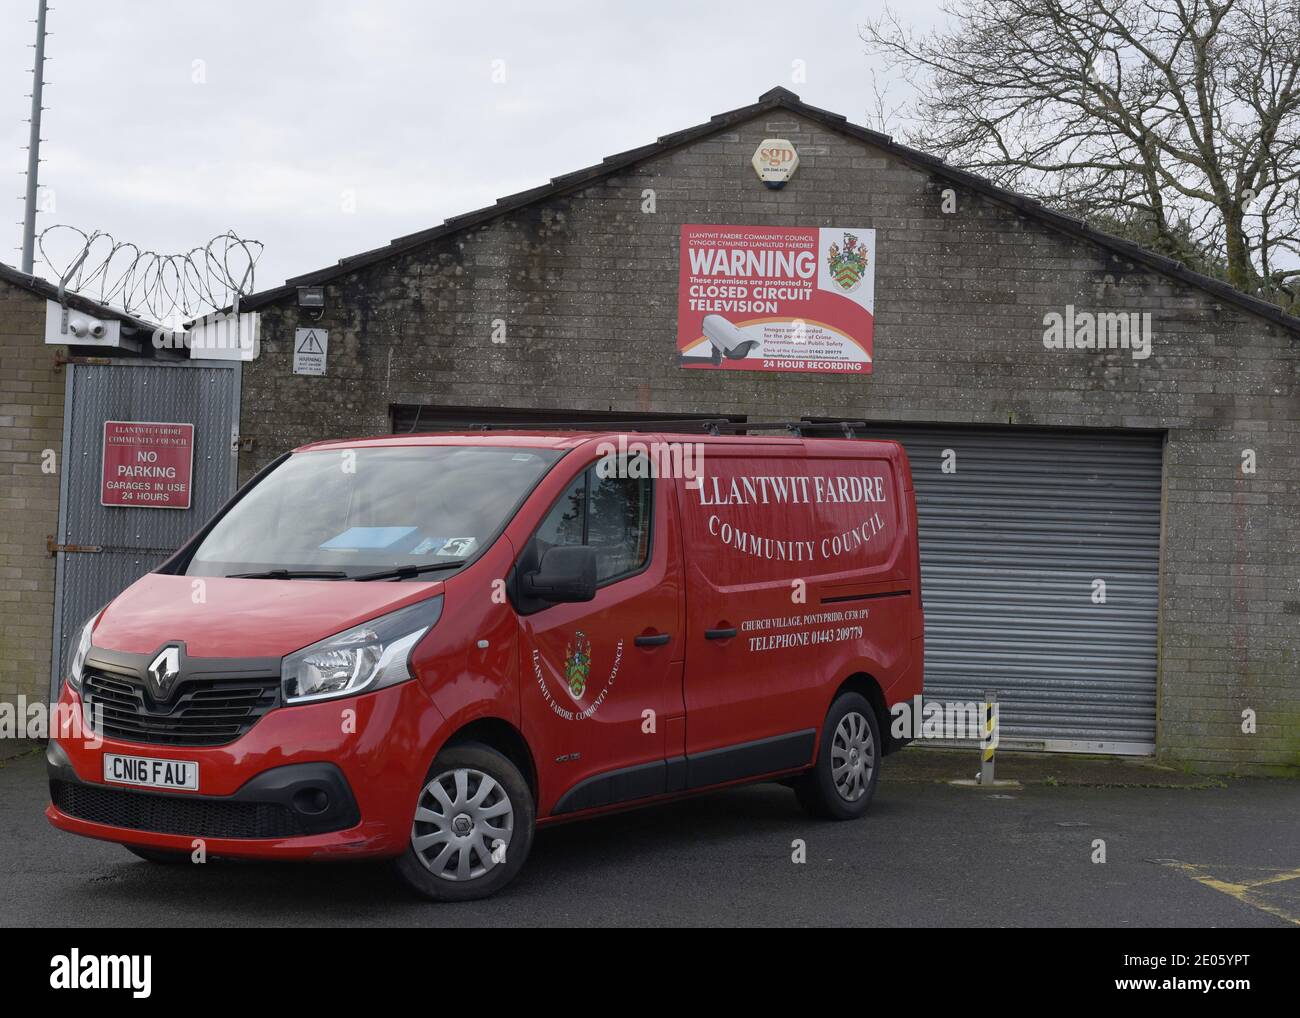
(351, 512)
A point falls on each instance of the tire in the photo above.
(160, 856)
(459, 849)
(850, 739)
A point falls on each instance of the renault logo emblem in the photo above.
(164, 670)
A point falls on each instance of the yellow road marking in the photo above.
(1244, 891)
(1276, 879)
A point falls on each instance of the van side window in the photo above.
(566, 523)
(618, 524)
(611, 514)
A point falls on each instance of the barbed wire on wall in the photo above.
(165, 288)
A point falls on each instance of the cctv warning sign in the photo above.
(148, 464)
(774, 298)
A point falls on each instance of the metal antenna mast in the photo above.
(34, 145)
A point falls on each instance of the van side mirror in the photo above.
(566, 573)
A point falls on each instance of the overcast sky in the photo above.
(297, 104)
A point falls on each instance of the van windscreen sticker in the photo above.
(458, 547)
(362, 538)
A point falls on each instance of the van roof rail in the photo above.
(687, 425)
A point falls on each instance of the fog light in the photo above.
(311, 800)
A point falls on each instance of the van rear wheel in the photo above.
(843, 782)
(472, 827)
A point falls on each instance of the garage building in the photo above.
(1109, 542)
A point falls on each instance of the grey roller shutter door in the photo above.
(1011, 544)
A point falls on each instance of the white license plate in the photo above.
(149, 772)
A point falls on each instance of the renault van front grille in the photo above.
(202, 712)
(174, 813)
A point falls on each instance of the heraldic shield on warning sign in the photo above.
(771, 298)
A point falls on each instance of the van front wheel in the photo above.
(843, 782)
(472, 826)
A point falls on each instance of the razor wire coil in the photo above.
(166, 288)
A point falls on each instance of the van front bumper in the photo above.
(332, 779)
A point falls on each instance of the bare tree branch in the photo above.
(1175, 122)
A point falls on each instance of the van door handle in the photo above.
(720, 634)
(653, 639)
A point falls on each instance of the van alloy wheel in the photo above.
(842, 781)
(464, 822)
(472, 824)
(852, 756)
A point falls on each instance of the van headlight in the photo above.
(77, 651)
(361, 659)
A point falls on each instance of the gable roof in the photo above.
(773, 100)
(44, 288)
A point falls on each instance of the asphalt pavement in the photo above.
(928, 854)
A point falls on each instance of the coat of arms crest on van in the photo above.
(847, 263)
(577, 664)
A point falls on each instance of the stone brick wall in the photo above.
(31, 421)
(587, 287)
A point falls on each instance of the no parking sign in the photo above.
(148, 464)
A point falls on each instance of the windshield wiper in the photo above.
(290, 574)
(401, 572)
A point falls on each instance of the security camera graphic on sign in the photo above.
(727, 340)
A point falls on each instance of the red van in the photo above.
(423, 647)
